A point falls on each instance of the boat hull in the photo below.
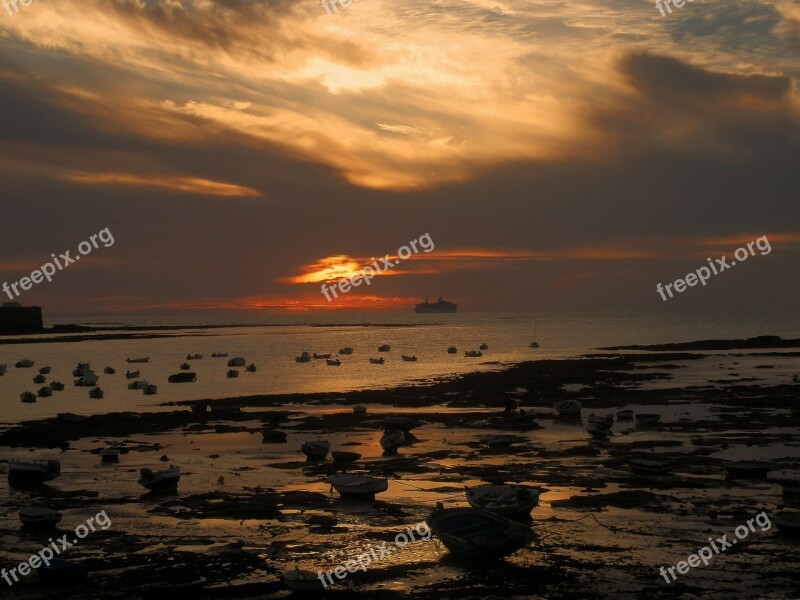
(476, 534)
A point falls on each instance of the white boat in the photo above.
(57, 386)
(160, 480)
(605, 420)
(109, 455)
(346, 351)
(138, 360)
(625, 415)
(316, 450)
(109, 371)
(788, 522)
(96, 393)
(360, 409)
(88, 379)
(568, 407)
(24, 363)
(503, 499)
(392, 440)
(44, 371)
(138, 385)
(476, 533)
(132, 374)
(473, 353)
(45, 392)
(39, 517)
(597, 430)
(303, 358)
(331, 362)
(647, 419)
(376, 361)
(150, 390)
(27, 397)
(358, 485)
(33, 471)
(303, 581)
(236, 362)
(407, 358)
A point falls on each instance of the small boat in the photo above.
(568, 408)
(182, 377)
(88, 379)
(251, 368)
(96, 393)
(321, 356)
(45, 392)
(303, 358)
(384, 348)
(647, 419)
(236, 362)
(788, 522)
(185, 366)
(473, 353)
(358, 485)
(138, 385)
(132, 374)
(81, 369)
(144, 359)
(650, 465)
(598, 431)
(407, 358)
(33, 471)
(41, 518)
(333, 362)
(346, 351)
(503, 499)
(150, 390)
(376, 361)
(160, 480)
(476, 533)
(62, 572)
(39, 379)
(273, 436)
(452, 350)
(606, 420)
(747, 469)
(219, 355)
(109, 455)
(57, 386)
(404, 424)
(24, 363)
(109, 371)
(44, 371)
(303, 581)
(360, 409)
(27, 397)
(194, 357)
(534, 343)
(391, 441)
(232, 373)
(340, 456)
(316, 450)
(625, 415)
(483, 347)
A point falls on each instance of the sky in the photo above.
(244, 152)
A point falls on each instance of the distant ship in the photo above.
(440, 306)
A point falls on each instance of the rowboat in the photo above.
(346, 351)
(232, 373)
(109, 370)
(132, 374)
(219, 355)
(42, 518)
(96, 393)
(476, 533)
(185, 366)
(391, 441)
(251, 368)
(33, 471)
(194, 356)
(24, 363)
(39, 379)
(138, 385)
(150, 389)
(384, 348)
(44, 370)
(316, 450)
(569, 407)
(109, 455)
(88, 379)
(483, 346)
(304, 357)
(81, 369)
(321, 356)
(161, 480)
(473, 354)
(452, 350)
(505, 500)
(56, 386)
(340, 456)
(358, 485)
(45, 392)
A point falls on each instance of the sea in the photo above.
(272, 342)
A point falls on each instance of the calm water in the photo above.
(273, 348)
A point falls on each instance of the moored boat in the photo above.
(109, 455)
(303, 581)
(503, 499)
(346, 351)
(160, 480)
(650, 465)
(150, 389)
(236, 362)
(391, 441)
(473, 354)
(109, 371)
(132, 374)
(331, 362)
(376, 361)
(598, 431)
(605, 420)
(316, 450)
(185, 366)
(476, 533)
(138, 385)
(42, 518)
(184, 377)
(81, 369)
(27, 397)
(303, 358)
(45, 392)
(568, 408)
(24, 363)
(232, 373)
(360, 409)
(33, 471)
(88, 379)
(3, 368)
(194, 356)
(44, 370)
(39, 379)
(483, 346)
(143, 359)
(219, 355)
(96, 393)
(452, 350)
(647, 419)
(57, 386)
(358, 485)
(273, 436)
(408, 358)
(322, 356)
(251, 368)
(339, 456)
(384, 348)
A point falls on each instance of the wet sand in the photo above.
(246, 511)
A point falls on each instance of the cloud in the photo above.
(190, 185)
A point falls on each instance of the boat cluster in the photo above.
(599, 427)
(305, 357)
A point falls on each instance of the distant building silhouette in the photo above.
(15, 318)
